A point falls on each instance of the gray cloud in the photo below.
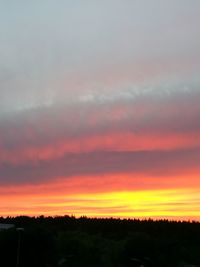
(167, 113)
(159, 164)
(49, 50)
(71, 71)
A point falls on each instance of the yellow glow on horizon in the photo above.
(167, 203)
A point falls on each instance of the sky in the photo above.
(99, 108)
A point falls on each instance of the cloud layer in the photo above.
(100, 90)
(150, 132)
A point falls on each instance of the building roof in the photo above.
(5, 226)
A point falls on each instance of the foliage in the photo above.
(68, 241)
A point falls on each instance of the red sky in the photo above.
(99, 109)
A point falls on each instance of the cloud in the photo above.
(149, 120)
(99, 89)
(49, 51)
(148, 163)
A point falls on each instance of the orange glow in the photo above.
(181, 204)
(113, 197)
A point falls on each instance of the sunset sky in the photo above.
(100, 108)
